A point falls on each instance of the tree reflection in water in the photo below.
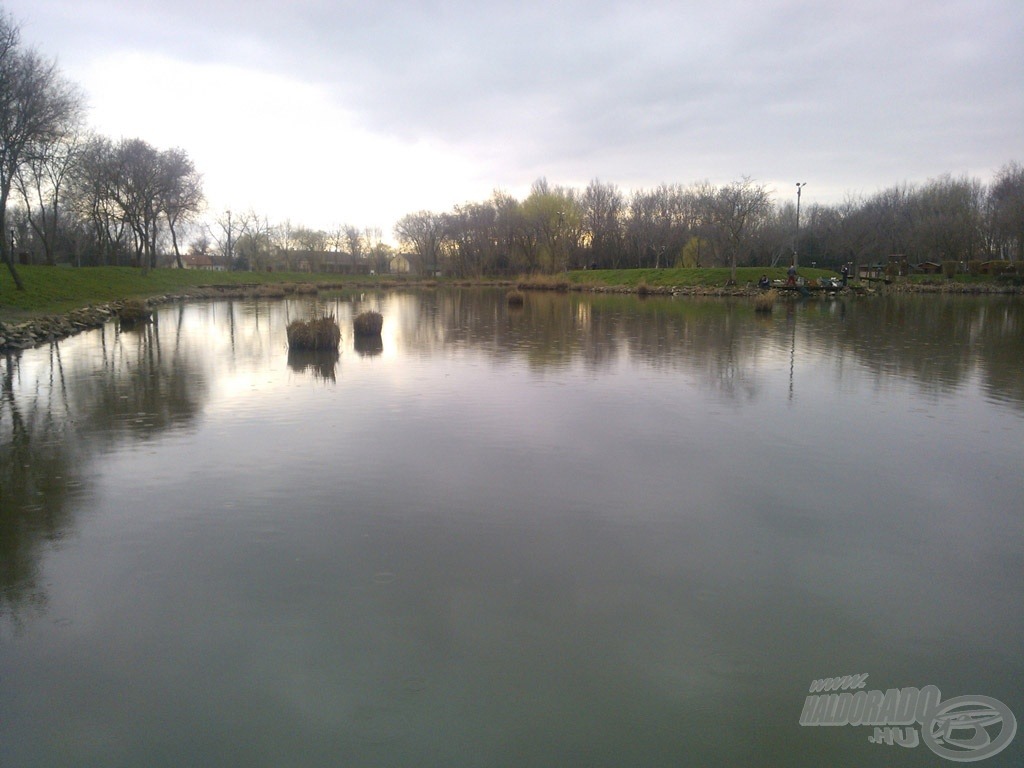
(58, 419)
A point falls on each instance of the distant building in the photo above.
(399, 265)
(200, 261)
(995, 267)
(335, 262)
(871, 271)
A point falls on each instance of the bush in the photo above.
(764, 302)
(368, 323)
(134, 311)
(974, 267)
(320, 333)
(949, 269)
(515, 298)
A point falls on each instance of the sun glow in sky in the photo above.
(326, 114)
(269, 143)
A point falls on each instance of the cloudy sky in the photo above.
(358, 111)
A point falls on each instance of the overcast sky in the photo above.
(329, 112)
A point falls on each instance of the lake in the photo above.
(596, 530)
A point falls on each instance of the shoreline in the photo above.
(35, 331)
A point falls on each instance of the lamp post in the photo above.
(796, 242)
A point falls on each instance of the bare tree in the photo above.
(182, 193)
(733, 210)
(92, 199)
(42, 182)
(37, 108)
(602, 207)
(422, 232)
(254, 239)
(1006, 203)
(946, 219)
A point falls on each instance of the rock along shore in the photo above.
(15, 336)
(43, 330)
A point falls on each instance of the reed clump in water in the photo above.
(764, 302)
(319, 334)
(134, 311)
(515, 298)
(368, 323)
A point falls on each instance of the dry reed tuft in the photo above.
(515, 298)
(318, 334)
(764, 302)
(270, 292)
(368, 323)
(307, 289)
(134, 311)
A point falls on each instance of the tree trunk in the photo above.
(9, 258)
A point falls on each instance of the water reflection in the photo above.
(118, 386)
(938, 343)
(322, 364)
(590, 529)
(63, 407)
(41, 473)
(369, 346)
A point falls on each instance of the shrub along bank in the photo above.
(60, 301)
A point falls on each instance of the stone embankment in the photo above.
(40, 330)
(955, 288)
(26, 334)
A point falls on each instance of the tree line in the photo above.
(945, 219)
(70, 196)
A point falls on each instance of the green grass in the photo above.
(687, 277)
(958, 278)
(54, 290)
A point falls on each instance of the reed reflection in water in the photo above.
(590, 530)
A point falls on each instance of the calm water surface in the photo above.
(594, 531)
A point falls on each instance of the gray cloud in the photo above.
(852, 96)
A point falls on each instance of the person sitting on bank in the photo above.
(764, 282)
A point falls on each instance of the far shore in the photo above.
(61, 301)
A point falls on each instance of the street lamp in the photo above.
(796, 242)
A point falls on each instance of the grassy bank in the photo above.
(58, 290)
(686, 277)
(54, 290)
